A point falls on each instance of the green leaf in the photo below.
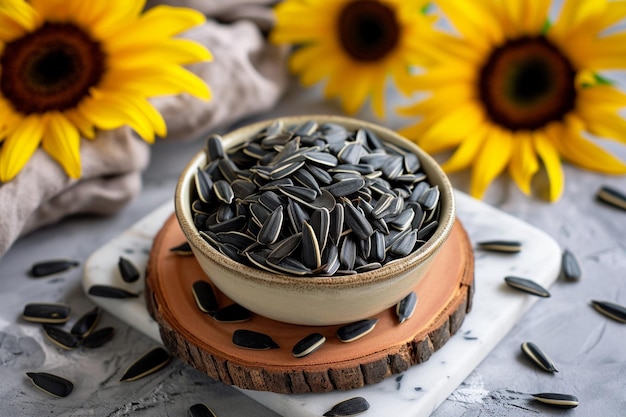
(546, 27)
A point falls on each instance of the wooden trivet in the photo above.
(445, 295)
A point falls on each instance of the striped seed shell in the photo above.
(270, 200)
(319, 173)
(204, 185)
(51, 384)
(223, 191)
(345, 187)
(355, 220)
(307, 180)
(204, 296)
(527, 286)
(87, 323)
(393, 167)
(430, 198)
(285, 169)
(538, 357)
(214, 148)
(289, 265)
(570, 267)
(404, 244)
(612, 196)
(403, 220)
(349, 407)
(200, 410)
(52, 313)
(347, 253)
(427, 230)
(336, 223)
(406, 307)
(98, 338)
(377, 251)
(382, 206)
(60, 337)
(243, 188)
(320, 222)
(184, 249)
(147, 364)
(557, 400)
(108, 291)
(308, 345)
(321, 158)
(45, 268)
(411, 163)
(128, 271)
(285, 247)
(238, 223)
(351, 153)
(233, 313)
(614, 311)
(506, 246)
(302, 194)
(249, 339)
(353, 331)
(228, 169)
(271, 227)
(311, 255)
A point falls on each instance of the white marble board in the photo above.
(420, 390)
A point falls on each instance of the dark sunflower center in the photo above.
(52, 68)
(527, 83)
(368, 30)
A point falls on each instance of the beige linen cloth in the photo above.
(247, 76)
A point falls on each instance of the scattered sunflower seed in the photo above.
(51, 384)
(108, 291)
(128, 271)
(526, 286)
(249, 339)
(557, 400)
(85, 325)
(308, 345)
(406, 307)
(506, 246)
(204, 296)
(45, 268)
(98, 338)
(51, 313)
(570, 267)
(147, 364)
(353, 331)
(612, 196)
(60, 337)
(200, 410)
(233, 313)
(538, 357)
(615, 311)
(349, 407)
(183, 249)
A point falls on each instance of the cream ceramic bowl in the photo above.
(315, 300)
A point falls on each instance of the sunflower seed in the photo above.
(351, 153)
(306, 128)
(557, 400)
(430, 198)
(404, 244)
(311, 256)
(377, 251)
(45, 268)
(570, 268)
(507, 246)
(289, 265)
(204, 185)
(128, 271)
(204, 296)
(214, 148)
(271, 227)
(427, 230)
(249, 339)
(85, 325)
(200, 410)
(223, 191)
(417, 192)
(538, 357)
(308, 345)
(615, 311)
(285, 169)
(336, 223)
(52, 313)
(324, 200)
(243, 188)
(270, 200)
(346, 187)
(411, 163)
(307, 180)
(297, 216)
(527, 286)
(355, 220)
(322, 158)
(353, 331)
(403, 220)
(612, 196)
(382, 206)
(108, 291)
(347, 254)
(349, 407)
(237, 223)
(406, 307)
(319, 173)
(239, 240)
(60, 337)
(320, 222)
(98, 338)
(51, 384)
(301, 194)
(147, 364)
(228, 169)
(183, 249)
(233, 313)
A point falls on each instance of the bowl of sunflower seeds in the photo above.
(314, 220)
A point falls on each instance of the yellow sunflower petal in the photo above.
(550, 158)
(491, 161)
(20, 12)
(19, 146)
(9, 29)
(466, 153)
(174, 51)
(451, 129)
(473, 20)
(524, 164)
(81, 123)
(62, 142)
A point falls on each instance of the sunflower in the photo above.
(70, 66)
(511, 90)
(354, 44)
